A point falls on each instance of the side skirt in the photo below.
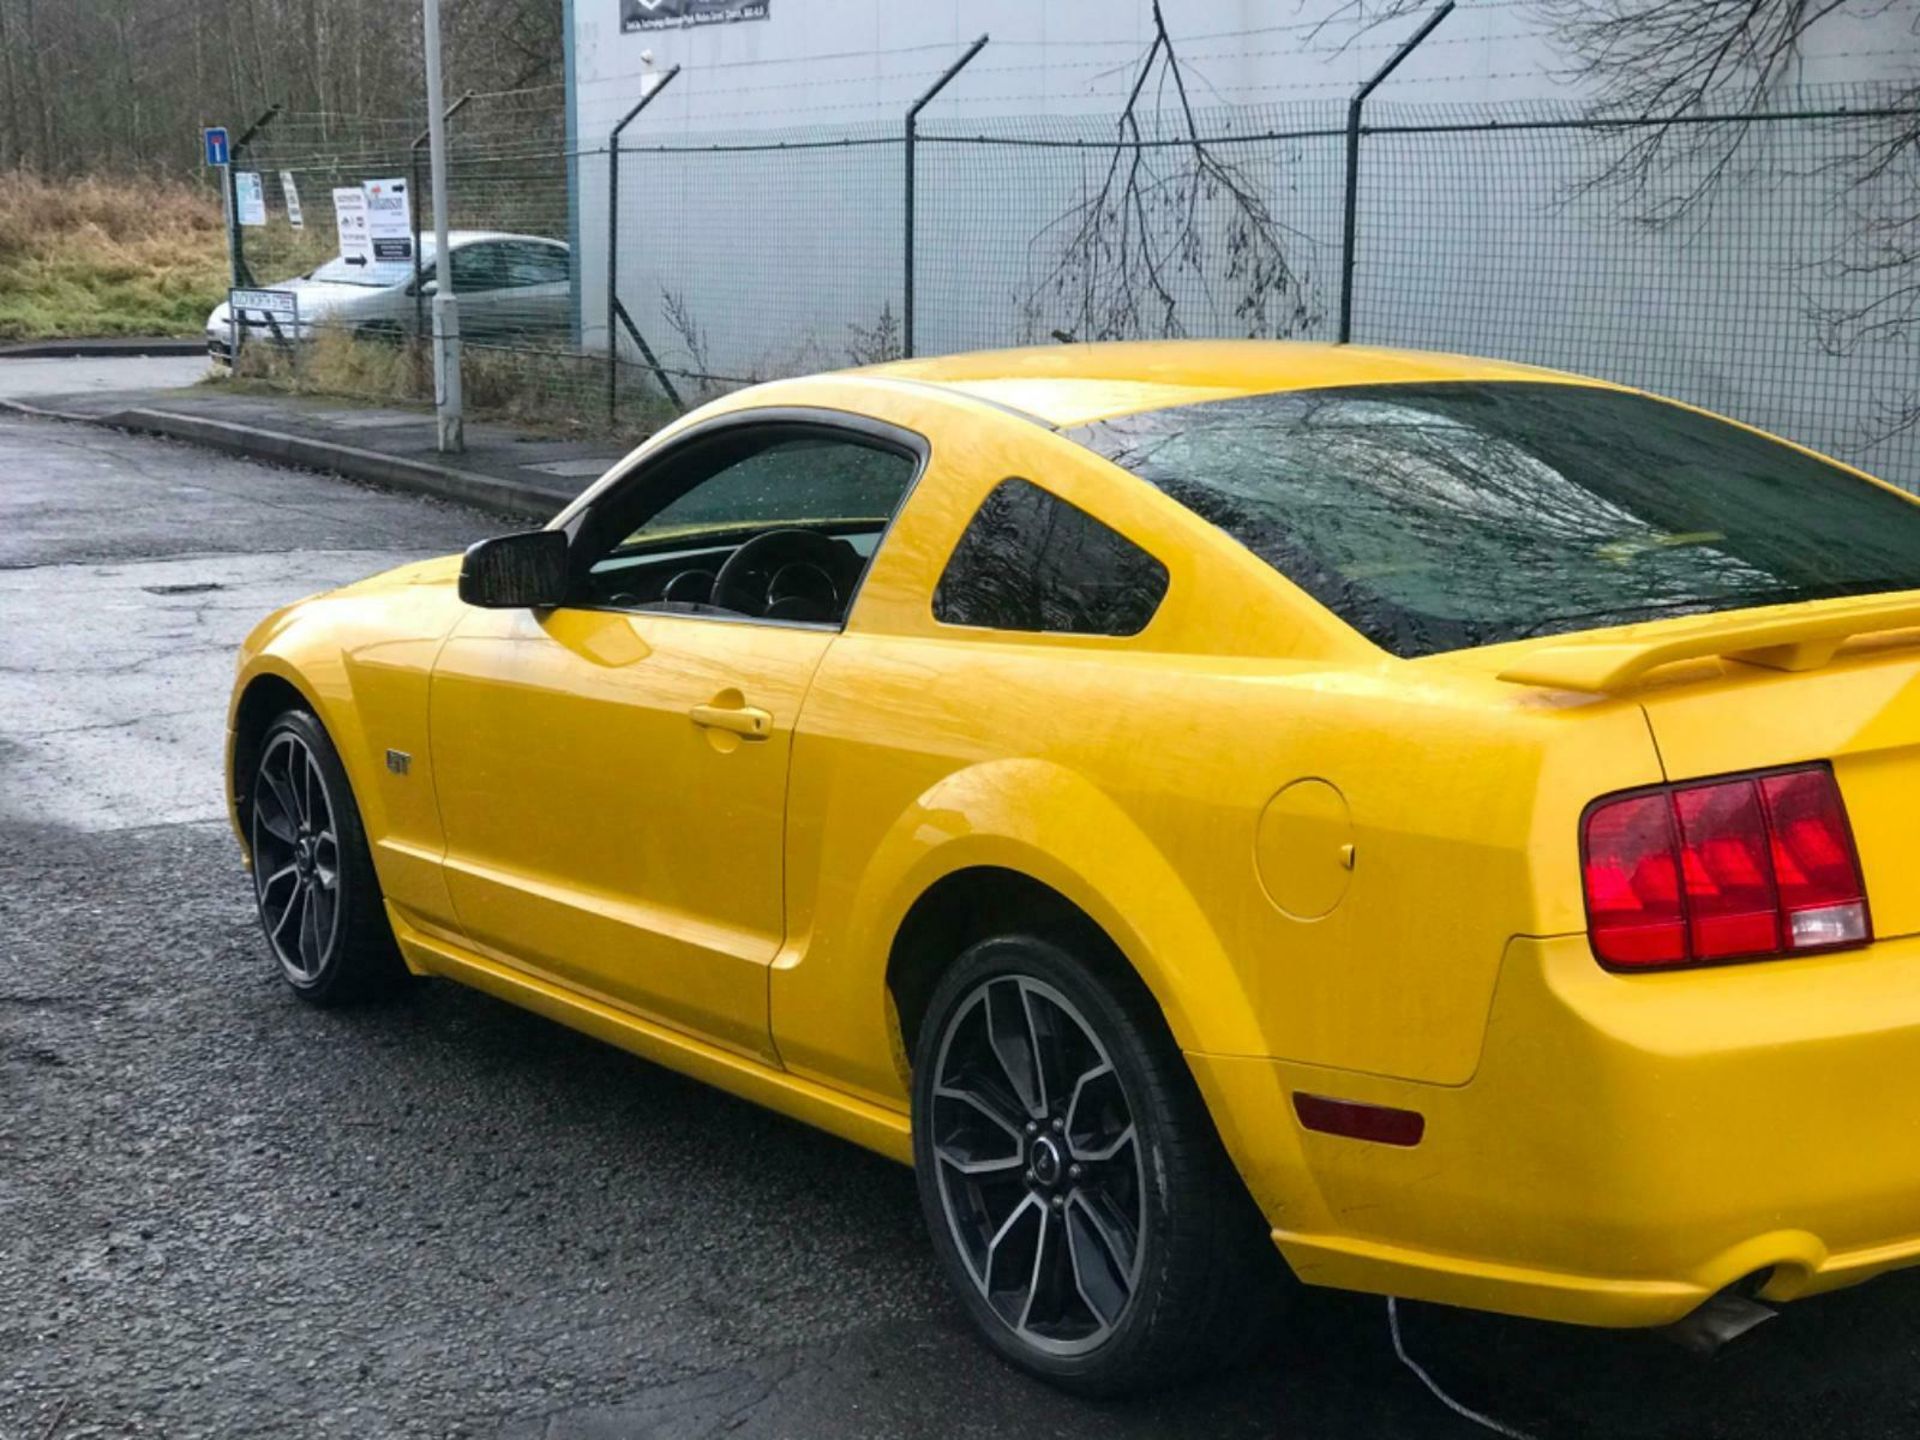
(887, 1132)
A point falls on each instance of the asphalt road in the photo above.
(224, 1214)
(71, 375)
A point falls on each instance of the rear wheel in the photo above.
(1071, 1178)
(318, 897)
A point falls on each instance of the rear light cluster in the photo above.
(1730, 869)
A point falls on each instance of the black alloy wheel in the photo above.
(296, 858)
(314, 883)
(1071, 1178)
(1038, 1164)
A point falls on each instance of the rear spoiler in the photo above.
(1800, 637)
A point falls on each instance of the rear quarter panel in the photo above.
(1132, 775)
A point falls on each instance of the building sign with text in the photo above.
(677, 14)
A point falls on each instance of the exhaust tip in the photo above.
(1717, 1323)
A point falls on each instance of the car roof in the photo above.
(457, 238)
(1068, 385)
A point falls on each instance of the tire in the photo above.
(1031, 1195)
(313, 874)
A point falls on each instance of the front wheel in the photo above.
(1076, 1192)
(314, 884)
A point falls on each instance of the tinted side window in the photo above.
(801, 480)
(531, 264)
(479, 267)
(1031, 561)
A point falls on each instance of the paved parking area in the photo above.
(223, 1214)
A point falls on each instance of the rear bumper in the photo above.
(1628, 1145)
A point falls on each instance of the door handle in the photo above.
(742, 720)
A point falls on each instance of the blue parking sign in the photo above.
(215, 137)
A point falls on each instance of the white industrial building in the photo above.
(786, 258)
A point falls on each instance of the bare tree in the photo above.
(1663, 61)
(1669, 62)
(1170, 210)
(1672, 64)
(90, 85)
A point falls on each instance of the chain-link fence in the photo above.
(1740, 263)
(363, 323)
(1734, 266)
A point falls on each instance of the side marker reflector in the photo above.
(1380, 1123)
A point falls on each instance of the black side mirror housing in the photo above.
(516, 572)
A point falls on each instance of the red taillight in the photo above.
(1739, 868)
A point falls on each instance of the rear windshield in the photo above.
(1435, 517)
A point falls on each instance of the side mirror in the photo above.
(516, 572)
(430, 286)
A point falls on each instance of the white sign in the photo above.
(293, 200)
(277, 304)
(350, 215)
(389, 219)
(251, 196)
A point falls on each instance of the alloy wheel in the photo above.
(1039, 1166)
(296, 857)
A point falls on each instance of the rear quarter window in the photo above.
(1030, 561)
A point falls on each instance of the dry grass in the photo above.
(107, 257)
(333, 362)
(549, 391)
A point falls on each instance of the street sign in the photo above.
(389, 219)
(278, 311)
(251, 197)
(350, 217)
(274, 304)
(214, 137)
(293, 200)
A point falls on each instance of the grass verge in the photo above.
(90, 257)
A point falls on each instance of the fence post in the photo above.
(913, 118)
(613, 239)
(413, 189)
(1354, 107)
(236, 251)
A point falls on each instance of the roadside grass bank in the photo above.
(550, 392)
(107, 256)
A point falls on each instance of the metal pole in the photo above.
(449, 430)
(413, 182)
(913, 118)
(1354, 107)
(237, 254)
(229, 199)
(613, 239)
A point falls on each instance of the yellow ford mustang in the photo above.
(1174, 794)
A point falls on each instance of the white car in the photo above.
(510, 286)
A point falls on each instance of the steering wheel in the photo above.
(745, 579)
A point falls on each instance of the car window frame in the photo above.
(866, 430)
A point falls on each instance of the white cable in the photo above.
(1484, 1421)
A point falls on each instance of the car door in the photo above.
(612, 773)
(538, 275)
